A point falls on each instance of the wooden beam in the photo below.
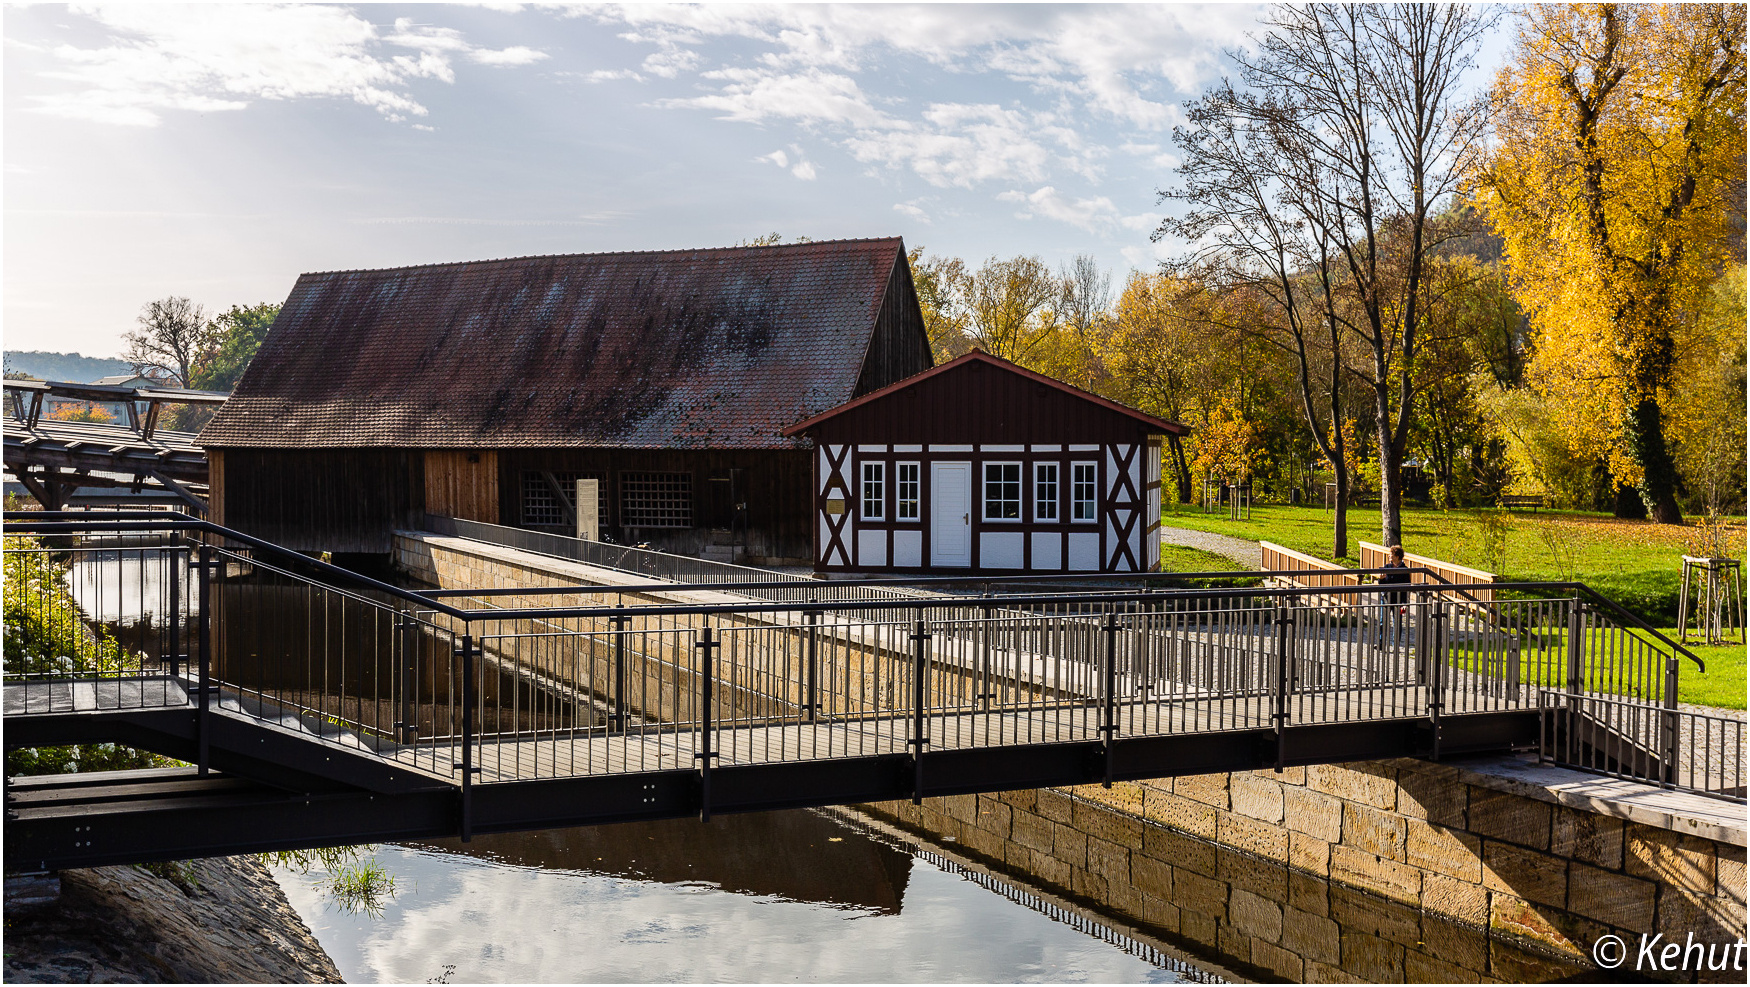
(199, 505)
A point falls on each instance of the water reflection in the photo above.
(785, 896)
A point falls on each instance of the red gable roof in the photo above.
(1159, 425)
(711, 348)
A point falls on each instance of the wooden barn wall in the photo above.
(216, 486)
(979, 404)
(323, 500)
(899, 347)
(462, 483)
(775, 487)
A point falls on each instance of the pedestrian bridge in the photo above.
(316, 706)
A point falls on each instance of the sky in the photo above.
(217, 151)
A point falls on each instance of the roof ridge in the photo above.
(603, 253)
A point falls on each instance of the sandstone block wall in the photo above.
(1383, 871)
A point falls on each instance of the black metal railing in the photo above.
(564, 681)
(1668, 746)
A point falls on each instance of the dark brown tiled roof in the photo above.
(676, 349)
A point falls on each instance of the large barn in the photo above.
(485, 390)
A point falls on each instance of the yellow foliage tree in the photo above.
(1618, 168)
(1226, 445)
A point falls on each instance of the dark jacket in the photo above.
(1402, 576)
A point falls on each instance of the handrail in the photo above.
(73, 522)
(23, 522)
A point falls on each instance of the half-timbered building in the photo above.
(979, 464)
(485, 390)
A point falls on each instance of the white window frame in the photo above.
(985, 500)
(916, 500)
(1076, 500)
(1055, 502)
(873, 487)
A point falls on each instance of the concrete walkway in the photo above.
(1246, 553)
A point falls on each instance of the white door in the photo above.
(951, 514)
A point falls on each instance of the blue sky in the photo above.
(218, 151)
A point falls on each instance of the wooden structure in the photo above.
(981, 465)
(1711, 601)
(486, 390)
(67, 463)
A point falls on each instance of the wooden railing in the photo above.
(1375, 556)
(1320, 572)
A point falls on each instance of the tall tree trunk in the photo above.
(1645, 431)
(1391, 458)
(1181, 471)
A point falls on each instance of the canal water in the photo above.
(770, 897)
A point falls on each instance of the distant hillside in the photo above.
(65, 366)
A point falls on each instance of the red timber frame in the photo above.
(983, 411)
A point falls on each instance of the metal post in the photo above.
(1576, 676)
(1284, 621)
(204, 680)
(812, 668)
(618, 717)
(1437, 661)
(705, 644)
(408, 725)
(1668, 776)
(985, 689)
(467, 763)
(1109, 724)
(918, 740)
(175, 608)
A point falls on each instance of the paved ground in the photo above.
(1246, 553)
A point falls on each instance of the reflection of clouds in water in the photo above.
(504, 924)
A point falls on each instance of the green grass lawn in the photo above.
(1635, 563)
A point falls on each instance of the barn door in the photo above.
(951, 514)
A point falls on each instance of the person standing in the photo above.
(1392, 605)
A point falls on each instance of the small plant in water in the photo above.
(357, 884)
(362, 887)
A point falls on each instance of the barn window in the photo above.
(1044, 491)
(874, 491)
(656, 500)
(1002, 491)
(541, 506)
(908, 492)
(1084, 492)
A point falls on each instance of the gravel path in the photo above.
(1246, 553)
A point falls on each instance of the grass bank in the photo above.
(1635, 563)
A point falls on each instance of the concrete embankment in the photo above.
(1383, 871)
(218, 920)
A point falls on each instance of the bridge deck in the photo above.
(667, 747)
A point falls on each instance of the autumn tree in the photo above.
(173, 334)
(235, 334)
(937, 281)
(1008, 306)
(1315, 181)
(1617, 184)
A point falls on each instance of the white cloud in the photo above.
(803, 168)
(1096, 214)
(758, 95)
(221, 57)
(815, 65)
(912, 210)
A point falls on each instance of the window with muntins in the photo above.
(906, 508)
(541, 507)
(874, 491)
(1002, 491)
(1084, 491)
(656, 500)
(1044, 491)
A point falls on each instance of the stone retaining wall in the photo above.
(217, 920)
(1384, 871)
